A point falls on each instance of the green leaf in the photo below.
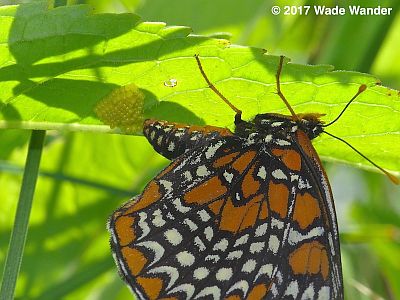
(58, 64)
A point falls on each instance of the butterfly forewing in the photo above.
(232, 216)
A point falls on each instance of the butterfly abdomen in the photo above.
(173, 139)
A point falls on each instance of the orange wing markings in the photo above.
(224, 160)
(310, 258)
(309, 150)
(150, 195)
(252, 213)
(289, 157)
(233, 297)
(151, 286)
(134, 259)
(124, 230)
(243, 161)
(206, 192)
(250, 186)
(264, 211)
(258, 292)
(236, 218)
(278, 196)
(216, 206)
(306, 210)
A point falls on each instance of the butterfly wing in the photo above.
(229, 219)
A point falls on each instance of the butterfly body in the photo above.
(242, 215)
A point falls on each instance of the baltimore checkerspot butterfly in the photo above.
(247, 214)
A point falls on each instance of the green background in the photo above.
(85, 176)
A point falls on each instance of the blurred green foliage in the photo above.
(82, 181)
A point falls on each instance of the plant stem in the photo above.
(20, 229)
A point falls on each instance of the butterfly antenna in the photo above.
(279, 92)
(238, 112)
(361, 89)
(392, 178)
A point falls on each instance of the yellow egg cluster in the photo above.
(122, 108)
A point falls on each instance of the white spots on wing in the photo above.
(202, 171)
(204, 216)
(268, 138)
(292, 289)
(273, 244)
(237, 196)
(155, 247)
(303, 184)
(211, 150)
(179, 132)
(195, 136)
(235, 255)
(262, 173)
(199, 243)
(221, 245)
(324, 293)
(172, 272)
(186, 288)
(274, 290)
(256, 247)
(188, 176)
(173, 236)
(242, 240)
(170, 216)
(224, 274)
(171, 146)
(167, 185)
(215, 258)
(185, 258)
(228, 176)
(331, 246)
(158, 220)
(276, 223)
(261, 229)
(209, 233)
(278, 174)
(213, 291)
(159, 140)
(240, 285)
(249, 266)
(278, 277)
(282, 142)
(251, 139)
(152, 135)
(192, 226)
(294, 177)
(179, 206)
(276, 124)
(143, 225)
(264, 270)
(308, 293)
(200, 273)
(295, 237)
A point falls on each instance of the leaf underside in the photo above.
(57, 65)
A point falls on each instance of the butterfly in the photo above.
(247, 214)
